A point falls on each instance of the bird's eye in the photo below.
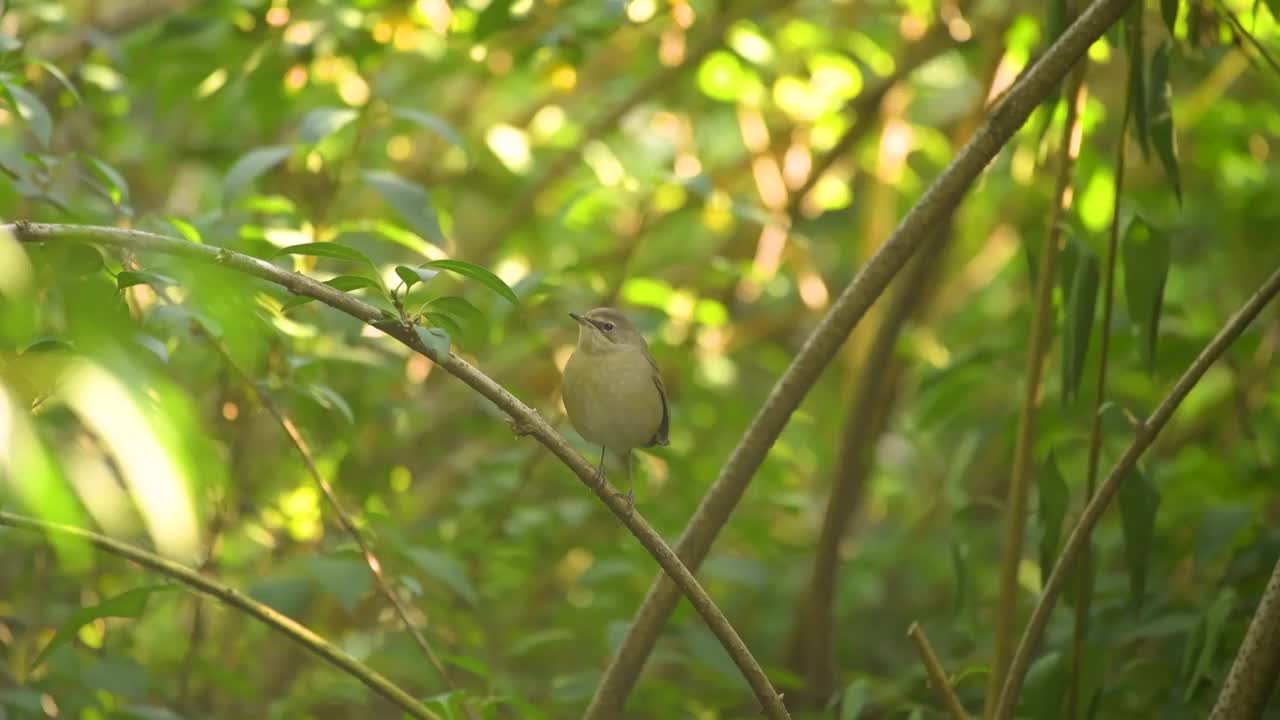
(607, 326)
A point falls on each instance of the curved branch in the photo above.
(288, 626)
(916, 227)
(526, 420)
(1252, 678)
(1145, 435)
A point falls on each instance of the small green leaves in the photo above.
(1139, 500)
(434, 123)
(412, 276)
(117, 189)
(129, 604)
(477, 273)
(325, 249)
(250, 167)
(29, 107)
(1053, 499)
(1080, 296)
(436, 342)
(410, 200)
(323, 122)
(1146, 266)
(1160, 117)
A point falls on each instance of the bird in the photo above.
(612, 389)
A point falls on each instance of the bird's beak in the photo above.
(582, 319)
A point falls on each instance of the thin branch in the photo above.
(1041, 333)
(236, 599)
(344, 517)
(1253, 675)
(937, 675)
(938, 201)
(526, 420)
(1143, 437)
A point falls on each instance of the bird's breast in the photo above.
(611, 399)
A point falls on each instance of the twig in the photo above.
(937, 676)
(236, 599)
(331, 496)
(1252, 677)
(1041, 333)
(1143, 437)
(938, 201)
(525, 416)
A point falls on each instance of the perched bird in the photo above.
(612, 388)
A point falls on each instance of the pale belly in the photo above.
(616, 404)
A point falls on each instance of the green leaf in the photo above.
(323, 122)
(1213, 626)
(1139, 500)
(477, 273)
(129, 278)
(1146, 266)
(436, 341)
(1137, 88)
(30, 108)
(345, 578)
(444, 569)
(186, 230)
(1078, 325)
(1161, 117)
(1169, 11)
(495, 17)
(412, 276)
(854, 699)
(250, 167)
(434, 123)
(60, 76)
(444, 322)
(459, 309)
(329, 399)
(119, 187)
(325, 249)
(1274, 7)
(410, 200)
(1053, 499)
(48, 344)
(128, 604)
(81, 260)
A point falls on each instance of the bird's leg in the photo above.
(599, 477)
(631, 486)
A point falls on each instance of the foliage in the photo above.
(481, 169)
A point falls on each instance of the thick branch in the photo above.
(236, 599)
(921, 221)
(1143, 438)
(525, 417)
(1253, 675)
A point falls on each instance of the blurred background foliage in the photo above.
(722, 169)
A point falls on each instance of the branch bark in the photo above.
(938, 201)
(234, 598)
(1253, 675)
(1145, 435)
(525, 419)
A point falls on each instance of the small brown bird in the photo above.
(612, 389)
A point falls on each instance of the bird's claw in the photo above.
(520, 426)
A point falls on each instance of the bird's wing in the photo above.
(660, 437)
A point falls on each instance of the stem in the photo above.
(1041, 329)
(937, 676)
(1252, 677)
(234, 598)
(1145, 434)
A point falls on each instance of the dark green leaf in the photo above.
(436, 341)
(1214, 625)
(458, 308)
(410, 200)
(329, 399)
(60, 76)
(443, 569)
(412, 276)
(81, 260)
(1137, 81)
(323, 122)
(30, 109)
(119, 187)
(444, 322)
(1078, 325)
(129, 278)
(1053, 497)
(1169, 11)
(1160, 117)
(325, 249)
(494, 18)
(250, 167)
(477, 273)
(1139, 500)
(48, 345)
(1274, 7)
(854, 699)
(1146, 266)
(345, 578)
(434, 123)
(128, 604)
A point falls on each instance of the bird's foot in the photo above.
(630, 496)
(520, 426)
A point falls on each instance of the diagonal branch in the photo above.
(1145, 435)
(290, 628)
(938, 201)
(525, 419)
(1253, 675)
